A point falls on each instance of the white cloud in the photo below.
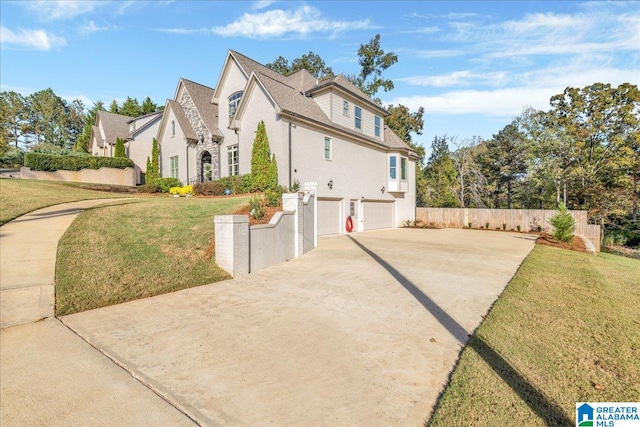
(458, 78)
(442, 53)
(30, 39)
(91, 27)
(204, 31)
(500, 102)
(275, 23)
(52, 10)
(262, 4)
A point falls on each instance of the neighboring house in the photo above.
(139, 141)
(327, 132)
(188, 135)
(136, 132)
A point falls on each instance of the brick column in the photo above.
(232, 243)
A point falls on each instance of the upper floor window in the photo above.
(403, 168)
(173, 128)
(345, 108)
(358, 114)
(377, 125)
(392, 167)
(327, 148)
(234, 100)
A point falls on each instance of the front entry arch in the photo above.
(206, 168)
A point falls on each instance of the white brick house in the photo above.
(327, 132)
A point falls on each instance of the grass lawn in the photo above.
(121, 253)
(21, 196)
(565, 330)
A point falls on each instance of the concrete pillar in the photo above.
(312, 188)
(232, 243)
(293, 202)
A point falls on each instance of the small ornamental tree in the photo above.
(153, 164)
(563, 224)
(120, 150)
(273, 173)
(261, 160)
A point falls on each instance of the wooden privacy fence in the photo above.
(509, 219)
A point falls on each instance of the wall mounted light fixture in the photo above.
(382, 189)
(330, 184)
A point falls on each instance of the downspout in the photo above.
(290, 124)
(188, 143)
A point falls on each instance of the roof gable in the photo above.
(202, 96)
(114, 125)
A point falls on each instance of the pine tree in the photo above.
(563, 224)
(120, 150)
(114, 107)
(261, 159)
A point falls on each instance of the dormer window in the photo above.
(377, 126)
(358, 119)
(234, 100)
(345, 108)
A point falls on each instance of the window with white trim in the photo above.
(345, 108)
(232, 160)
(403, 168)
(174, 166)
(327, 148)
(377, 125)
(234, 100)
(392, 167)
(358, 119)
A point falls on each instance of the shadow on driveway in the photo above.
(548, 411)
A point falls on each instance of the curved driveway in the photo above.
(364, 330)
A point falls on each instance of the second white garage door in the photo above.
(378, 215)
(328, 216)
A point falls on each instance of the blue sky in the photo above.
(473, 66)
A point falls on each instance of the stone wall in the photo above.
(193, 115)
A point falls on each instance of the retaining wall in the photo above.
(108, 176)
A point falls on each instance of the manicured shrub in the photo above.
(274, 197)
(175, 191)
(165, 184)
(257, 208)
(187, 190)
(52, 163)
(213, 188)
(149, 187)
(563, 224)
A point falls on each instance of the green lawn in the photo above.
(565, 330)
(125, 252)
(21, 196)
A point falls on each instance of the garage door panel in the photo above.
(328, 217)
(378, 215)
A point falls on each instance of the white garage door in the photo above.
(328, 216)
(378, 215)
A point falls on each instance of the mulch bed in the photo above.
(269, 213)
(576, 245)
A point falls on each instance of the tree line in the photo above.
(45, 122)
(584, 152)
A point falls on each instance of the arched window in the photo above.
(234, 100)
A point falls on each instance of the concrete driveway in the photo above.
(362, 331)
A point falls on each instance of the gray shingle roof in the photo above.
(202, 96)
(183, 122)
(95, 133)
(289, 94)
(114, 125)
(158, 115)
